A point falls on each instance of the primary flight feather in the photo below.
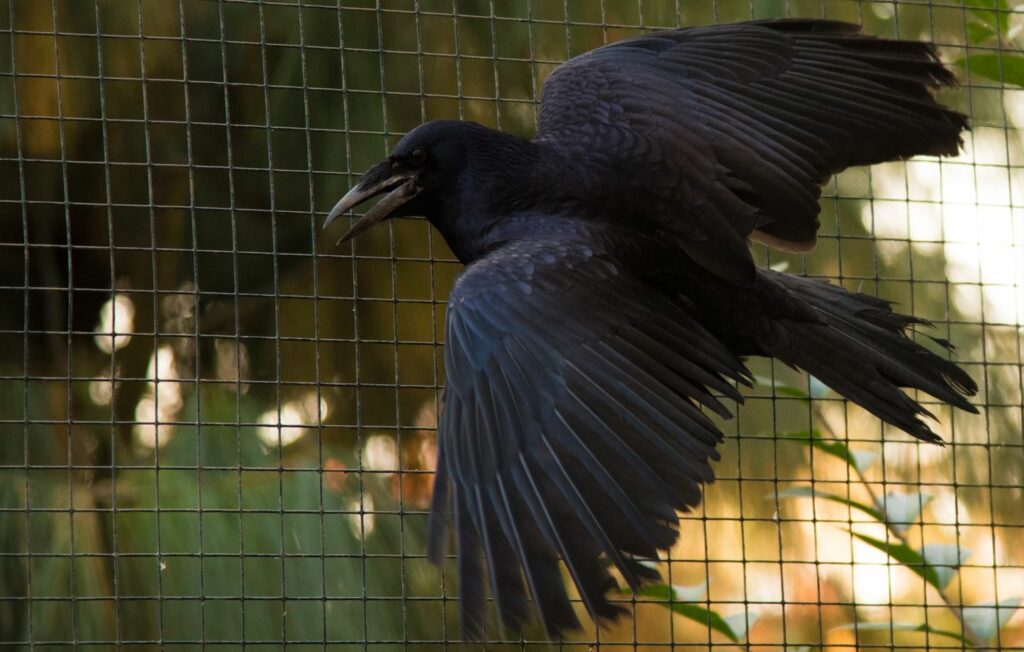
(609, 295)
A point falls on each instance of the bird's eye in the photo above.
(418, 157)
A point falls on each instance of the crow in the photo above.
(609, 296)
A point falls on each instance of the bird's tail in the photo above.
(857, 345)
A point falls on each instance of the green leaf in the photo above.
(1005, 68)
(674, 592)
(654, 591)
(902, 510)
(995, 13)
(906, 555)
(986, 618)
(782, 388)
(978, 32)
(811, 492)
(936, 563)
(705, 617)
(833, 447)
(944, 558)
(901, 627)
(665, 594)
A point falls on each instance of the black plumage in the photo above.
(609, 294)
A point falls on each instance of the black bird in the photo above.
(609, 294)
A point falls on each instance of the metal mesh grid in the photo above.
(217, 428)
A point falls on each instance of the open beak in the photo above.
(402, 188)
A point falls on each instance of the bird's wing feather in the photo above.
(732, 129)
(571, 427)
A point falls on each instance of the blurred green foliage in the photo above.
(180, 154)
(935, 563)
(989, 27)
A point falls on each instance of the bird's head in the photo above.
(420, 173)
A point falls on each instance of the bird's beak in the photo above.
(403, 187)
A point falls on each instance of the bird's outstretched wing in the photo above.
(570, 428)
(730, 130)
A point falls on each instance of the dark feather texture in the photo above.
(564, 437)
(854, 343)
(610, 293)
(733, 128)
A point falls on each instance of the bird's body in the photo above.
(609, 293)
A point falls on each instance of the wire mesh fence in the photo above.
(218, 428)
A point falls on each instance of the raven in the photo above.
(609, 295)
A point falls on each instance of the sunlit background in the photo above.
(218, 427)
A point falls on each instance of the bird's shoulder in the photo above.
(527, 253)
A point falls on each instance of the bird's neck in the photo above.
(504, 175)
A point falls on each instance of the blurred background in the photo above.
(217, 427)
